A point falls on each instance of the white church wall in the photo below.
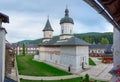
(48, 34)
(68, 57)
(83, 53)
(42, 53)
(74, 56)
(52, 58)
(68, 50)
(50, 54)
(66, 28)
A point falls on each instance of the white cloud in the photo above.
(84, 28)
(28, 18)
(29, 27)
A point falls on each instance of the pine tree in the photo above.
(87, 79)
(23, 50)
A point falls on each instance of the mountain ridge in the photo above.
(95, 37)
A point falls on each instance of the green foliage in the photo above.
(91, 62)
(81, 79)
(37, 41)
(95, 81)
(89, 40)
(28, 66)
(104, 41)
(87, 79)
(23, 50)
(95, 37)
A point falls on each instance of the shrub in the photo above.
(87, 78)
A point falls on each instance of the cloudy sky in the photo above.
(28, 17)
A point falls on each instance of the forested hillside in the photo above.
(96, 37)
(92, 37)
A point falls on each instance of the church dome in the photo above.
(66, 19)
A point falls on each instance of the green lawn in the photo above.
(99, 58)
(66, 80)
(27, 66)
(91, 62)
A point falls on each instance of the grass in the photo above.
(99, 58)
(91, 62)
(27, 66)
(66, 80)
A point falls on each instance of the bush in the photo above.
(87, 78)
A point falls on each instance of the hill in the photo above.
(91, 37)
(94, 37)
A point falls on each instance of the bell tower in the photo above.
(66, 26)
(48, 31)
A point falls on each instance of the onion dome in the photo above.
(66, 19)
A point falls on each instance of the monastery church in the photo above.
(67, 51)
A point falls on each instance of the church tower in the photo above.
(66, 26)
(48, 31)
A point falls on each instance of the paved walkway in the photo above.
(48, 78)
(100, 71)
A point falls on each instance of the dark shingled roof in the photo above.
(66, 19)
(9, 80)
(100, 46)
(51, 42)
(72, 41)
(48, 26)
(4, 17)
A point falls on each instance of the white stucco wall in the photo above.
(48, 34)
(83, 56)
(42, 53)
(52, 58)
(66, 56)
(66, 28)
(2, 54)
(50, 54)
(73, 56)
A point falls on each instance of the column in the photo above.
(2, 52)
(116, 56)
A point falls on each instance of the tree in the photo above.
(89, 40)
(104, 41)
(87, 78)
(23, 49)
